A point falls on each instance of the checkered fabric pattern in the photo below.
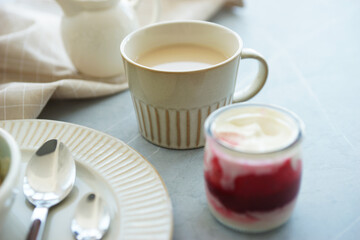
(34, 66)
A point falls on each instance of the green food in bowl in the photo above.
(4, 167)
(5, 155)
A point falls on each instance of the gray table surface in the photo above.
(313, 50)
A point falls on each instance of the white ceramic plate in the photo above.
(137, 197)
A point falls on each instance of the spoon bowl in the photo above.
(92, 218)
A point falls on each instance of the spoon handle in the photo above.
(38, 219)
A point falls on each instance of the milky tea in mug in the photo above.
(252, 165)
(181, 57)
(181, 71)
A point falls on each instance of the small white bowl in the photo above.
(10, 159)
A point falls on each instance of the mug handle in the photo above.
(155, 11)
(257, 84)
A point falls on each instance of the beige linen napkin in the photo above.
(34, 66)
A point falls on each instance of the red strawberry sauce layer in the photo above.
(254, 192)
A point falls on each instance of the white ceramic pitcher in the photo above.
(92, 31)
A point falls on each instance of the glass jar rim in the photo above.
(298, 122)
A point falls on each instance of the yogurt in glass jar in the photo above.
(252, 165)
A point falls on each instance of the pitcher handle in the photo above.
(257, 84)
(156, 8)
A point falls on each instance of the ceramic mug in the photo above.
(171, 106)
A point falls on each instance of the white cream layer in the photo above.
(255, 129)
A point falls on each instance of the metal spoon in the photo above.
(92, 218)
(49, 178)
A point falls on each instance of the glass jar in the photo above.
(252, 165)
